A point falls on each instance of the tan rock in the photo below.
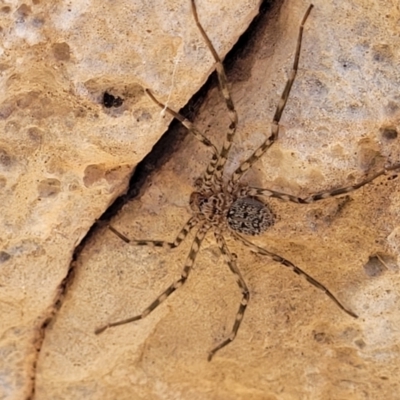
(65, 158)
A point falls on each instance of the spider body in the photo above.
(224, 205)
(245, 215)
(250, 216)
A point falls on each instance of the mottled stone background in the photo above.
(64, 158)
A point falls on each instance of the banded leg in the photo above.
(218, 165)
(185, 122)
(253, 191)
(231, 261)
(171, 289)
(160, 243)
(278, 113)
(196, 133)
(295, 269)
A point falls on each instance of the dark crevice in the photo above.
(238, 64)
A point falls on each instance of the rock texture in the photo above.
(65, 157)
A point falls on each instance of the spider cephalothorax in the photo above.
(221, 202)
(209, 206)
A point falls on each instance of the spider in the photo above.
(225, 205)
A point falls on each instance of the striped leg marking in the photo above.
(348, 189)
(231, 261)
(207, 177)
(197, 134)
(295, 269)
(278, 113)
(185, 122)
(223, 84)
(253, 191)
(160, 243)
(171, 289)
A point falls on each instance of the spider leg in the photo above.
(218, 160)
(186, 123)
(278, 113)
(297, 270)
(231, 261)
(218, 165)
(253, 191)
(171, 289)
(348, 189)
(196, 133)
(190, 224)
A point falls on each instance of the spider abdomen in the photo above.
(250, 216)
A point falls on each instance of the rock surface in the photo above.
(65, 157)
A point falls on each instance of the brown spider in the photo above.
(234, 207)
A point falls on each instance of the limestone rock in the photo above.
(341, 122)
(64, 155)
